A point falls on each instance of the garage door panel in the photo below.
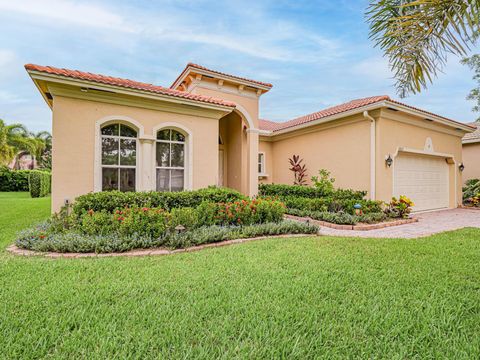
(424, 179)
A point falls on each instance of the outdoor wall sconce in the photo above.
(388, 160)
(461, 167)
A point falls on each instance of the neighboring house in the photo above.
(471, 153)
(112, 133)
(23, 161)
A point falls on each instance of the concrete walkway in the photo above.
(428, 224)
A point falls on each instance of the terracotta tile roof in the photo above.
(338, 109)
(267, 124)
(474, 136)
(126, 83)
(200, 67)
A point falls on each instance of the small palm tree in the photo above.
(16, 140)
(417, 35)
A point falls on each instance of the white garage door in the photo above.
(424, 179)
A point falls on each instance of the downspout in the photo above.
(373, 142)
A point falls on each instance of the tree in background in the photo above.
(474, 63)
(417, 35)
(16, 140)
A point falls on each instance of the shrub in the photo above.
(13, 180)
(332, 205)
(323, 181)
(471, 189)
(282, 190)
(187, 217)
(340, 218)
(111, 200)
(38, 239)
(39, 183)
(399, 208)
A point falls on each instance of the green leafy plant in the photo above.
(282, 190)
(111, 200)
(471, 189)
(13, 180)
(39, 183)
(324, 181)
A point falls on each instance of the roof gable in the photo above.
(125, 83)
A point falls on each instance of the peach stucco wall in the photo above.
(471, 160)
(74, 126)
(342, 148)
(396, 130)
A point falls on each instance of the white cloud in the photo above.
(260, 36)
(69, 12)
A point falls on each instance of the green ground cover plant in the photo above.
(309, 297)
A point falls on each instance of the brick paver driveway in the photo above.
(429, 223)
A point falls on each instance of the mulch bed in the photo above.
(362, 227)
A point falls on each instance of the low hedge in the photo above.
(330, 204)
(340, 218)
(282, 190)
(13, 180)
(111, 200)
(39, 183)
(78, 242)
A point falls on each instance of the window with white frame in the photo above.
(261, 163)
(170, 160)
(119, 157)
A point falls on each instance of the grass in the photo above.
(318, 297)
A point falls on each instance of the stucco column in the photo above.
(146, 168)
(252, 145)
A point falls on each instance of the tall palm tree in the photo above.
(417, 35)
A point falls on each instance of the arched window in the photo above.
(119, 157)
(170, 160)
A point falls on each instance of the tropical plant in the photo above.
(323, 181)
(417, 35)
(471, 189)
(399, 208)
(16, 141)
(299, 170)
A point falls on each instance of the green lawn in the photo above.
(279, 298)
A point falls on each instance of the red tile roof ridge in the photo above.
(200, 67)
(126, 83)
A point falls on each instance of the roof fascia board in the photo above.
(213, 74)
(122, 90)
(470, 141)
(141, 102)
(447, 122)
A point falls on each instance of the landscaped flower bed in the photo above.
(114, 221)
(336, 206)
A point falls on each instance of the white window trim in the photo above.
(188, 161)
(97, 168)
(264, 164)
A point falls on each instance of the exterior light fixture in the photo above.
(388, 160)
(461, 167)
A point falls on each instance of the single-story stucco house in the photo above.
(471, 153)
(112, 133)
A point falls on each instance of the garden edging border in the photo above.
(15, 250)
(364, 227)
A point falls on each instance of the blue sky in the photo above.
(316, 53)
